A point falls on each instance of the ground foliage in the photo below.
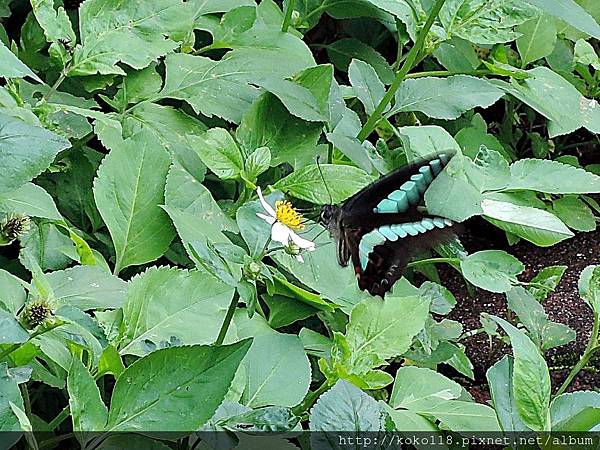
(139, 291)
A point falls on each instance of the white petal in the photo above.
(300, 258)
(301, 242)
(268, 208)
(270, 220)
(280, 233)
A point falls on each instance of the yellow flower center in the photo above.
(287, 215)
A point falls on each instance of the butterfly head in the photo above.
(330, 215)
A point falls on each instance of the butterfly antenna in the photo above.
(324, 182)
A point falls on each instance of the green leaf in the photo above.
(535, 225)
(531, 379)
(87, 287)
(132, 441)
(426, 140)
(484, 22)
(575, 411)
(556, 99)
(575, 213)
(405, 420)
(338, 409)
(88, 411)
(416, 387)
(222, 88)
(462, 416)
(381, 329)
(25, 151)
(589, 286)
(314, 185)
(492, 270)
(441, 300)
(537, 40)
(12, 67)
(550, 277)
(445, 98)
(257, 163)
(123, 32)
(457, 55)
(56, 24)
(219, 152)
(586, 55)
(552, 177)
(500, 380)
(12, 293)
(11, 331)
(275, 360)
(29, 199)
(10, 394)
(366, 84)
(268, 123)
(177, 389)
(342, 52)
(166, 304)
(570, 12)
(129, 190)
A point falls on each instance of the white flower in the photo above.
(284, 221)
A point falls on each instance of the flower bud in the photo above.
(12, 227)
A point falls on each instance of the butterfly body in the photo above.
(381, 227)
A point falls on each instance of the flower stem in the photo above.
(228, 317)
(311, 398)
(590, 349)
(59, 418)
(408, 64)
(288, 15)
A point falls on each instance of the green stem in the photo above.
(59, 419)
(228, 317)
(590, 349)
(408, 64)
(433, 261)
(448, 73)
(51, 443)
(57, 83)
(288, 15)
(311, 398)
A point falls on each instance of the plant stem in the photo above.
(590, 349)
(408, 64)
(288, 15)
(311, 398)
(447, 73)
(433, 261)
(55, 423)
(57, 83)
(228, 317)
(51, 443)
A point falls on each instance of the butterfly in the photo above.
(382, 226)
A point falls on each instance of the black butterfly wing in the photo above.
(381, 227)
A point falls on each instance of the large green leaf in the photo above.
(382, 329)
(535, 225)
(458, 415)
(316, 183)
(483, 21)
(275, 360)
(571, 12)
(552, 177)
(343, 51)
(555, 98)
(537, 40)
(88, 411)
(415, 386)
(175, 389)
(11, 331)
(29, 199)
(219, 152)
(172, 305)
(10, 394)
(25, 151)
(12, 67)
(575, 213)
(427, 140)
(129, 190)
(343, 407)
(366, 84)
(500, 380)
(445, 98)
(56, 24)
(531, 379)
(492, 270)
(575, 411)
(131, 33)
(12, 293)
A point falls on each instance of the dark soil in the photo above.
(563, 305)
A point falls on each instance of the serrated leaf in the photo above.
(129, 190)
(56, 24)
(445, 98)
(177, 389)
(492, 270)
(219, 152)
(537, 40)
(552, 177)
(366, 84)
(314, 185)
(343, 51)
(25, 151)
(29, 199)
(416, 386)
(570, 12)
(535, 225)
(134, 34)
(500, 380)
